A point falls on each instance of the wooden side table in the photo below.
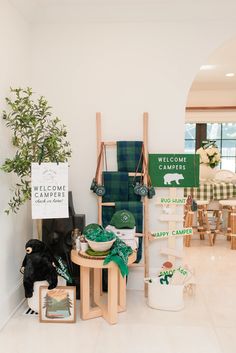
(116, 296)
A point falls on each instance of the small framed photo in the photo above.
(57, 305)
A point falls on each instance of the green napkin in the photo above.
(119, 254)
(91, 252)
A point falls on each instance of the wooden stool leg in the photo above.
(208, 229)
(200, 221)
(122, 293)
(229, 225)
(97, 281)
(84, 292)
(112, 315)
(86, 312)
(233, 230)
(218, 215)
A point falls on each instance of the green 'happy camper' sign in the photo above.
(174, 170)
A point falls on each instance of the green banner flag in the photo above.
(174, 170)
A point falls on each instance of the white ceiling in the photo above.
(70, 11)
(223, 61)
(74, 11)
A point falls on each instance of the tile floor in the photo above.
(206, 325)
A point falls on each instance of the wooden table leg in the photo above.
(229, 224)
(122, 293)
(208, 228)
(200, 221)
(84, 292)
(233, 230)
(97, 287)
(218, 216)
(112, 305)
(86, 312)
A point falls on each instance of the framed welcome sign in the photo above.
(174, 170)
(49, 190)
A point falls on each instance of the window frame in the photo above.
(201, 134)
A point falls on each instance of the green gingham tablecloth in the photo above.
(212, 190)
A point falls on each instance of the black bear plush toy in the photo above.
(38, 265)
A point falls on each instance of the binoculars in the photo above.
(143, 190)
(99, 190)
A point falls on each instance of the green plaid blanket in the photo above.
(107, 213)
(117, 186)
(132, 196)
(128, 155)
(212, 191)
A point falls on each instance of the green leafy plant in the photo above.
(37, 137)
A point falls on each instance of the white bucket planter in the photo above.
(163, 296)
(33, 302)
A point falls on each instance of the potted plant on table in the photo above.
(37, 137)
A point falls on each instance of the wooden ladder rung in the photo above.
(109, 143)
(108, 204)
(135, 174)
(139, 235)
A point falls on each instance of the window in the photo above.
(190, 138)
(224, 134)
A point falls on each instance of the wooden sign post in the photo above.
(173, 171)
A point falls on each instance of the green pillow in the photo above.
(123, 219)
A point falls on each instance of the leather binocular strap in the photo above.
(138, 165)
(149, 182)
(144, 168)
(99, 161)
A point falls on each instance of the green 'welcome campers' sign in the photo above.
(174, 170)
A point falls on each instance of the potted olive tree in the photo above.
(37, 136)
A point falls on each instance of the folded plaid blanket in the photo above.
(107, 213)
(116, 185)
(128, 155)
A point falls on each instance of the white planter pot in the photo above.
(33, 302)
(165, 297)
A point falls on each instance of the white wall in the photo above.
(14, 71)
(121, 69)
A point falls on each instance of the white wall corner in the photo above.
(10, 303)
